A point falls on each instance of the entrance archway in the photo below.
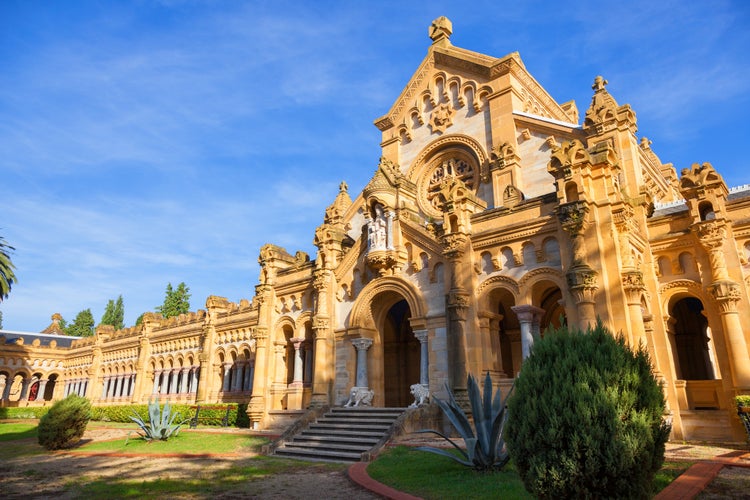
(401, 355)
(691, 340)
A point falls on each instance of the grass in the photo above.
(433, 477)
(186, 442)
(668, 473)
(241, 481)
(15, 430)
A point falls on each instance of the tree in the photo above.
(7, 276)
(586, 419)
(1, 320)
(114, 314)
(82, 326)
(176, 302)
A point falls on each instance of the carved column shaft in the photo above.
(424, 357)
(362, 345)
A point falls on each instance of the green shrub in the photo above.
(122, 413)
(65, 423)
(28, 412)
(586, 418)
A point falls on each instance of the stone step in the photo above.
(328, 446)
(343, 433)
(306, 454)
(354, 420)
(350, 426)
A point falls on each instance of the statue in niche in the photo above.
(377, 229)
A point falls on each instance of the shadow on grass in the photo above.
(244, 480)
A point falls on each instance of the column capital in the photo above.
(726, 293)
(527, 312)
(421, 335)
(362, 343)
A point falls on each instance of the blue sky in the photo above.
(146, 142)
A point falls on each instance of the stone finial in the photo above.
(599, 84)
(441, 29)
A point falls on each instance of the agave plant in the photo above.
(485, 448)
(161, 423)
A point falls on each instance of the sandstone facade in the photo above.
(493, 213)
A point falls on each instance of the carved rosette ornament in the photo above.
(726, 293)
(441, 117)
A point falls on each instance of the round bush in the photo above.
(586, 418)
(65, 422)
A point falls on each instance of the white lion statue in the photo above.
(421, 395)
(360, 396)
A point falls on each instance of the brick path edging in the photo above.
(694, 480)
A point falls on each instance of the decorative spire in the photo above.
(604, 113)
(441, 30)
(54, 328)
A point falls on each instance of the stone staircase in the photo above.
(342, 434)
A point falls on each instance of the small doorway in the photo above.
(401, 356)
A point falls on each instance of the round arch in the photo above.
(361, 315)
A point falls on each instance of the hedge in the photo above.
(122, 413)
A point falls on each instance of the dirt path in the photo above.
(62, 475)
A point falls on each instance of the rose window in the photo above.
(453, 168)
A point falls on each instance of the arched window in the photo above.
(571, 192)
(706, 210)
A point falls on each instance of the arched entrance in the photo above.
(401, 355)
(691, 341)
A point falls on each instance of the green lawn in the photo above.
(188, 442)
(423, 474)
(430, 476)
(16, 430)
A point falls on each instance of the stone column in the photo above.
(307, 378)
(117, 388)
(528, 315)
(184, 381)
(225, 387)
(173, 389)
(424, 357)
(104, 388)
(25, 389)
(362, 345)
(6, 391)
(250, 378)
(239, 374)
(632, 282)
(194, 379)
(42, 387)
(726, 293)
(298, 373)
(582, 279)
(3, 385)
(157, 375)
(110, 387)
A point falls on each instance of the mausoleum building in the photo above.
(493, 213)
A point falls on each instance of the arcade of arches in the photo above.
(494, 213)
